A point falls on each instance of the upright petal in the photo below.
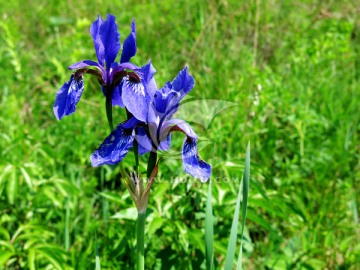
(68, 96)
(192, 162)
(183, 82)
(116, 145)
(129, 46)
(167, 99)
(106, 40)
(99, 46)
(147, 74)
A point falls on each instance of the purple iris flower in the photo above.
(109, 73)
(152, 123)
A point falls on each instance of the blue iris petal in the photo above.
(116, 145)
(163, 99)
(167, 100)
(183, 83)
(135, 98)
(116, 97)
(144, 142)
(192, 162)
(147, 74)
(165, 144)
(129, 47)
(106, 40)
(68, 96)
(86, 63)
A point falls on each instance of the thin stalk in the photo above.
(136, 152)
(67, 222)
(151, 163)
(108, 105)
(140, 241)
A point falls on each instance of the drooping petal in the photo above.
(116, 97)
(118, 71)
(131, 123)
(129, 46)
(123, 66)
(192, 162)
(146, 74)
(116, 145)
(84, 67)
(106, 40)
(135, 98)
(68, 96)
(86, 63)
(176, 125)
(144, 142)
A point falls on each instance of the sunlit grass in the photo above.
(297, 101)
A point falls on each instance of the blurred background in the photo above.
(292, 68)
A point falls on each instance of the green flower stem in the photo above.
(108, 105)
(136, 153)
(151, 163)
(140, 240)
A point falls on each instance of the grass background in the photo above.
(291, 67)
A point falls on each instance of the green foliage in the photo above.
(209, 230)
(292, 69)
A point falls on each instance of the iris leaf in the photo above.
(209, 230)
(245, 202)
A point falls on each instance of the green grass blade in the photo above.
(245, 202)
(67, 224)
(239, 262)
(230, 253)
(97, 258)
(209, 230)
(245, 188)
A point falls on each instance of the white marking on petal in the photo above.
(138, 88)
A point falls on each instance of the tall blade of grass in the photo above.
(209, 230)
(354, 204)
(67, 224)
(245, 197)
(97, 258)
(230, 253)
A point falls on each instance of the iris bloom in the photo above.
(152, 125)
(109, 73)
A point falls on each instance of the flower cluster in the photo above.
(150, 110)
